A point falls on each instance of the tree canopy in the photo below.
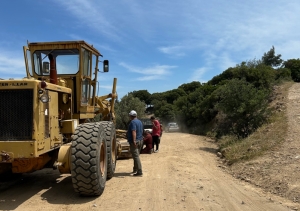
(294, 66)
(233, 102)
(124, 106)
(143, 95)
(270, 59)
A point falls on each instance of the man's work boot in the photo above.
(138, 175)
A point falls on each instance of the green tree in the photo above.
(174, 94)
(158, 104)
(294, 66)
(225, 75)
(270, 59)
(159, 96)
(166, 113)
(196, 109)
(261, 76)
(190, 87)
(245, 107)
(255, 72)
(283, 74)
(124, 106)
(143, 95)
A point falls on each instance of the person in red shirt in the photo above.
(148, 142)
(155, 133)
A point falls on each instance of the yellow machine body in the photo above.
(39, 113)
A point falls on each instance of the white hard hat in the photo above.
(132, 113)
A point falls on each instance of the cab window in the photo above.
(86, 62)
(66, 61)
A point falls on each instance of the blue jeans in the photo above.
(135, 151)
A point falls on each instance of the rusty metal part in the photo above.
(26, 165)
(5, 157)
(53, 71)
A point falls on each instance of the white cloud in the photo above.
(212, 35)
(172, 50)
(152, 73)
(185, 47)
(197, 75)
(10, 66)
(106, 87)
(92, 15)
(229, 34)
(148, 78)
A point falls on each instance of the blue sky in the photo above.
(154, 45)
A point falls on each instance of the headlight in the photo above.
(44, 98)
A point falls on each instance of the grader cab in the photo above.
(54, 117)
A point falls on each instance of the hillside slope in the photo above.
(278, 170)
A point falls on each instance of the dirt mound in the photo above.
(278, 170)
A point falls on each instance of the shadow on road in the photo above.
(63, 193)
(209, 149)
(49, 185)
(122, 174)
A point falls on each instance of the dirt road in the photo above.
(184, 175)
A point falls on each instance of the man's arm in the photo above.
(134, 137)
(155, 124)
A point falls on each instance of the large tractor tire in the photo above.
(111, 143)
(89, 159)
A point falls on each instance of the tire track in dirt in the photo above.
(184, 175)
(206, 183)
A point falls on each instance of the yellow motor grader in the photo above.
(54, 117)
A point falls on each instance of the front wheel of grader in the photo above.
(89, 159)
(111, 142)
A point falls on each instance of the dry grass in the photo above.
(266, 137)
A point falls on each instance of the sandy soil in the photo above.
(278, 171)
(184, 175)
